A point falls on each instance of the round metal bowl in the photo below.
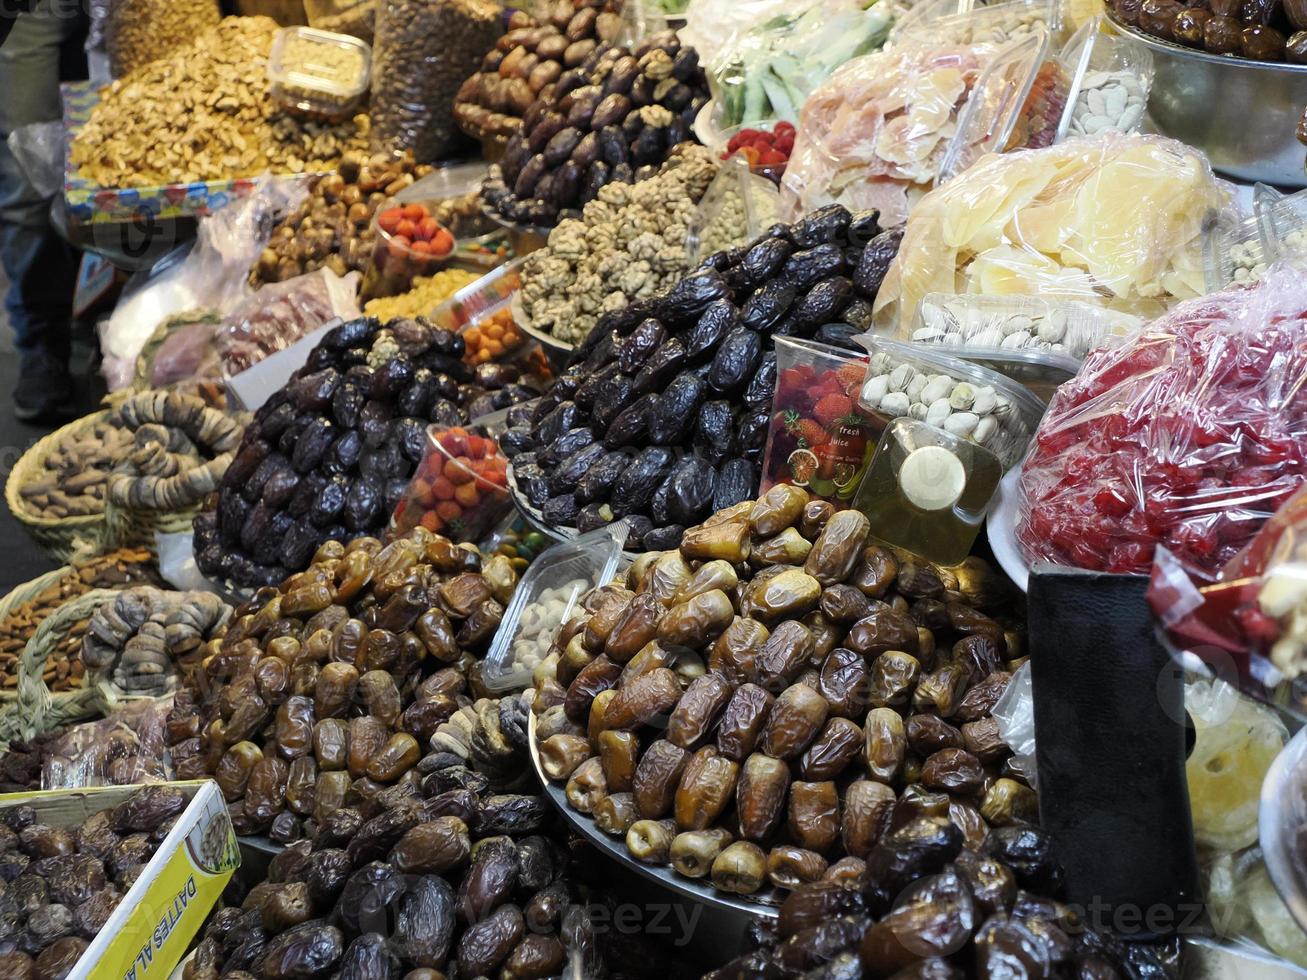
(1243, 114)
(1282, 816)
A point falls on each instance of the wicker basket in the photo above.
(61, 537)
(23, 593)
(35, 710)
(129, 528)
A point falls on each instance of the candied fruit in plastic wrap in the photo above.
(1112, 220)
(1188, 436)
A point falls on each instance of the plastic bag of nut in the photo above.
(139, 31)
(126, 748)
(424, 49)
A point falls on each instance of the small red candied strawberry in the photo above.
(832, 407)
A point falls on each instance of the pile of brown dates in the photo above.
(439, 875)
(614, 117)
(1260, 30)
(929, 907)
(60, 885)
(329, 688)
(751, 707)
(663, 417)
(329, 456)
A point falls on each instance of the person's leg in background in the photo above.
(41, 267)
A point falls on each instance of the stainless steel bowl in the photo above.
(1243, 114)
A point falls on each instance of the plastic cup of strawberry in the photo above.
(1189, 436)
(460, 488)
(763, 149)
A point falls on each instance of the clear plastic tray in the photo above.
(317, 73)
(965, 399)
(473, 303)
(1234, 251)
(1283, 221)
(547, 596)
(1100, 62)
(1007, 324)
(1041, 372)
(719, 224)
(453, 194)
(973, 21)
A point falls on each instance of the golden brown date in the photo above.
(334, 691)
(1008, 802)
(760, 796)
(736, 651)
(969, 820)
(561, 754)
(886, 744)
(740, 868)
(618, 753)
(777, 509)
(694, 851)
(728, 541)
(982, 739)
(710, 576)
(697, 710)
(600, 674)
(586, 786)
(840, 742)
(615, 813)
(814, 815)
(233, 772)
(927, 734)
(843, 682)
(794, 721)
(400, 754)
(597, 721)
(650, 658)
(293, 730)
(650, 841)
(706, 787)
(884, 628)
(646, 697)
(787, 548)
(789, 866)
(300, 784)
(379, 693)
(790, 594)
(329, 793)
(436, 632)
(605, 605)
(941, 690)
(657, 776)
(785, 654)
(665, 577)
(432, 847)
(698, 621)
(893, 676)
(866, 806)
(637, 626)
(367, 735)
(743, 721)
(554, 721)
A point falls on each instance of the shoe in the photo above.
(44, 392)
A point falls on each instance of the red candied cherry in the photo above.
(1111, 502)
(1131, 556)
(1258, 627)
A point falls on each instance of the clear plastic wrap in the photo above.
(710, 24)
(974, 21)
(769, 69)
(138, 31)
(182, 349)
(878, 132)
(1235, 251)
(737, 207)
(1187, 436)
(1112, 221)
(424, 49)
(128, 747)
(281, 313)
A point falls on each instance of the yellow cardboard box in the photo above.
(152, 927)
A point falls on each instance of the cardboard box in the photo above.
(152, 927)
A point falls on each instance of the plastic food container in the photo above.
(483, 314)
(453, 195)
(964, 399)
(548, 595)
(460, 488)
(737, 207)
(1235, 252)
(819, 438)
(1111, 76)
(1039, 372)
(319, 74)
(409, 243)
(1283, 220)
(973, 21)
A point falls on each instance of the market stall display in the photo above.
(424, 294)
(529, 59)
(330, 455)
(834, 659)
(613, 119)
(205, 113)
(423, 50)
(286, 743)
(629, 244)
(317, 74)
(664, 418)
(1211, 395)
(137, 32)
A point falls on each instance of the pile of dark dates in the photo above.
(755, 707)
(615, 117)
(1260, 30)
(930, 906)
(61, 885)
(329, 456)
(527, 62)
(663, 416)
(326, 692)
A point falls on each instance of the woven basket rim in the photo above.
(21, 593)
(30, 460)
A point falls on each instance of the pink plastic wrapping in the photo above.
(1113, 220)
(1187, 436)
(127, 747)
(281, 313)
(186, 353)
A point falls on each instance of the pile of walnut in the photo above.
(139, 637)
(64, 668)
(180, 448)
(63, 884)
(204, 113)
(332, 227)
(73, 474)
(629, 244)
(528, 60)
(750, 707)
(332, 685)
